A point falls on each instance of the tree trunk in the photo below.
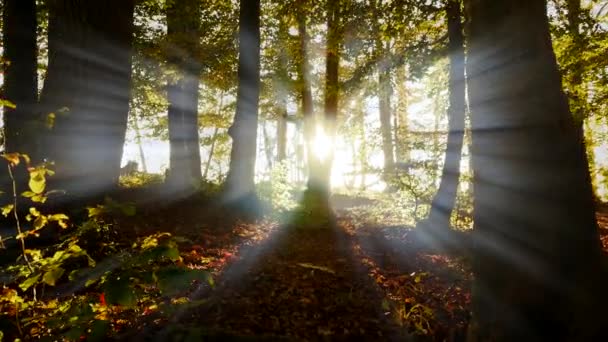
(401, 120)
(214, 138)
(443, 202)
(282, 136)
(87, 86)
(537, 256)
(140, 145)
(306, 94)
(240, 179)
(385, 90)
(20, 76)
(319, 178)
(183, 30)
(268, 146)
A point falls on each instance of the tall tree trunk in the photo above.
(319, 179)
(89, 74)
(140, 145)
(443, 202)
(240, 179)
(282, 95)
(282, 136)
(306, 96)
(268, 147)
(401, 127)
(216, 131)
(385, 90)
(537, 256)
(20, 75)
(183, 30)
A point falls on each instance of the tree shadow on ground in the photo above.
(300, 284)
(428, 282)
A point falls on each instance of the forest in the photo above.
(299, 170)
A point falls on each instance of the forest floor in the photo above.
(341, 281)
(338, 281)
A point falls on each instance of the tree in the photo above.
(20, 75)
(385, 90)
(240, 179)
(320, 171)
(87, 90)
(537, 257)
(443, 202)
(183, 30)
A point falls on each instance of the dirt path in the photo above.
(301, 284)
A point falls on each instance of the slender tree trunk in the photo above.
(282, 95)
(183, 30)
(306, 94)
(268, 147)
(537, 256)
(211, 152)
(140, 146)
(319, 179)
(240, 179)
(282, 137)
(87, 86)
(443, 202)
(213, 139)
(20, 75)
(401, 118)
(384, 100)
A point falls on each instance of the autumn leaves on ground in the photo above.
(274, 278)
(281, 278)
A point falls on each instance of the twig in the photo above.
(18, 223)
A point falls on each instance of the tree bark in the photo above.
(385, 90)
(216, 131)
(87, 86)
(183, 30)
(240, 179)
(536, 251)
(319, 178)
(401, 120)
(445, 198)
(306, 96)
(20, 76)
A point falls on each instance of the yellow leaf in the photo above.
(7, 209)
(37, 182)
(13, 158)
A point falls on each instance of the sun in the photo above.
(322, 144)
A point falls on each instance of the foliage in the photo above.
(61, 290)
(140, 179)
(278, 191)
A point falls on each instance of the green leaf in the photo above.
(173, 280)
(7, 209)
(74, 334)
(119, 291)
(99, 330)
(29, 282)
(51, 276)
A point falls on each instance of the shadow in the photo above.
(414, 274)
(300, 284)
